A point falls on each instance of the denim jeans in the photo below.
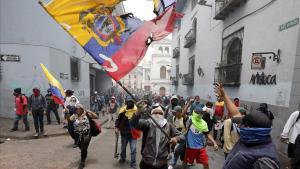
(179, 148)
(25, 121)
(124, 142)
(38, 118)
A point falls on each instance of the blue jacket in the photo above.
(245, 156)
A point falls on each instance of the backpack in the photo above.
(95, 127)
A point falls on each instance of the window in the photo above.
(177, 71)
(229, 70)
(74, 64)
(162, 91)
(160, 49)
(195, 28)
(167, 50)
(163, 72)
(190, 37)
(192, 65)
(194, 3)
(135, 76)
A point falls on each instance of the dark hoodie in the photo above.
(36, 100)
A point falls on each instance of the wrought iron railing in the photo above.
(224, 7)
(176, 52)
(228, 75)
(188, 79)
(190, 38)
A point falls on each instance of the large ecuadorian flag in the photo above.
(57, 90)
(118, 43)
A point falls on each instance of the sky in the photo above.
(142, 9)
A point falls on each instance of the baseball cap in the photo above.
(177, 109)
(174, 97)
(242, 110)
(198, 109)
(17, 90)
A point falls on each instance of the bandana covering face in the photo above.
(255, 135)
(199, 123)
(158, 117)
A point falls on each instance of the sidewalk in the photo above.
(52, 130)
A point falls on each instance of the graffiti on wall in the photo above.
(263, 79)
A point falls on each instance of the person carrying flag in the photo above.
(128, 133)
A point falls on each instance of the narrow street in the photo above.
(57, 153)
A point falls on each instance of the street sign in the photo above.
(258, 62)
(10, 58)
(289, 24)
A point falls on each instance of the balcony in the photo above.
(174, 81)
(188, 79)
(224, 7)
(190, 38)
(228, 75)
(176, 52)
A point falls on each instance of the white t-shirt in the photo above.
(291, 128)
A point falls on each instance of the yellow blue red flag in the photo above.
(118, 43)
(160, 6)
(57, 90)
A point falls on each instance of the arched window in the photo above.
(234, 54)
(160, 49)
(167, 50)
(162, 91)
(163, 72)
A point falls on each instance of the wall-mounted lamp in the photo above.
(276, 57)
(204, 3)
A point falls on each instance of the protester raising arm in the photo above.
(220, 92)
(186, 107)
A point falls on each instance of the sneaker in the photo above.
(81, 165)
(170, 167)
(27, 129)
(12, 130)
(36, 135)
(44, 133)
(122, 161)
(133, 167)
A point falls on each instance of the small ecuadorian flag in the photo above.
(57, 90)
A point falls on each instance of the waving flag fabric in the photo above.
(118, 43)
(160, 6)
(57, 90)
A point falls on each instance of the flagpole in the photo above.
(148, 114)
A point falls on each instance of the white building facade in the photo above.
(157, 70)
(252, 47)
(28, 37)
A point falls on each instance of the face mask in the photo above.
(159, 119)
(36, 92)
(209, 110)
